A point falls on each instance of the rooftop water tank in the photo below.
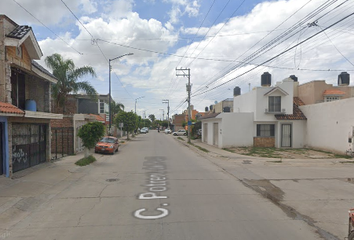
(206, 109)
(343, 79)
(266, 79)
(237, 91)
(293, 77)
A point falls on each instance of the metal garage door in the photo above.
(28, 145)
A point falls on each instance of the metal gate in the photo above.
(1, 152)
(62, 142)
(28, 145)
(286, 135)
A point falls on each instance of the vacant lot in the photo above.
(302, 153)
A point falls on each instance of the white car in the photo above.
(168, 131)
(180, 132)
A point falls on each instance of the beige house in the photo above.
(25, 96)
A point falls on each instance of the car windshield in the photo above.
(107, 140)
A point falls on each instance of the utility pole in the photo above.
(168, 111)
(163, 113)
(185, 72)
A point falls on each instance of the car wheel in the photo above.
(184, 134)
(174, 134)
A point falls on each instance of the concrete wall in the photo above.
(209, 123)
(329, 124)
(298, 133)
(236, 130)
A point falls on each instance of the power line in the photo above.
(47, 27)
(77, 18)
(303, 41)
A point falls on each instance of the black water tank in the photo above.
(237, 91)
(211, 107)
(206, 109)
(266, 79)
(293, 77)
(226, 109)
(343, 79)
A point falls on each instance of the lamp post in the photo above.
(109, 106)
(168, 111)
(136, 100)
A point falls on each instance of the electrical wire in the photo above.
(47, 27)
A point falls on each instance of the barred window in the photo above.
(265, 130)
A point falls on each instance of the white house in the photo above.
(266, 116)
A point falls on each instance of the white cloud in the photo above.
(154, 76)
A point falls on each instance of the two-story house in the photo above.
(25, 96)
(267, 116)
(80, 109)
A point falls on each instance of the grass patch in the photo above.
(229, 150)
(122, 141)
(180, 138)
(200, 148)
(343, 156)
(263, 152)
(85, 161)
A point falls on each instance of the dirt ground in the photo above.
(286, 153)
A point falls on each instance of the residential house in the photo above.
(79, 110)
(177, 121)
(268, 116)
(278, 117)
(223, 106)
(25, 96)
(319, 91)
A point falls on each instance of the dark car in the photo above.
(107, 144)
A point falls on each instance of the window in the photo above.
(265, 130)
(18, 89)
(274, 104)
(102, 107)
(330, 99)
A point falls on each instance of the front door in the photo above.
(286, 135)
(216, 134)
(1, 151)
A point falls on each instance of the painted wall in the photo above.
(236, 130)
(209, 124)
(298, 133)
(5, 149)
(329, 124)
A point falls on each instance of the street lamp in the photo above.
(168, 111)
(109, 106)
(136, 100)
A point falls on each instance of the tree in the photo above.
(116, 107)
(152, 117)
(129, 120)
(66, 73)
(90, 133)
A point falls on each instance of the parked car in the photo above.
(144, 130)
(168, 131)
(180, 132)
(107, 144)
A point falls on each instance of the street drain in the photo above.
(112, 179)
(247, 162)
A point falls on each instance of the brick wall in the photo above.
(71, 106)
(67, 121)
(264, 142)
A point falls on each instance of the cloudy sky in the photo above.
(224, 43)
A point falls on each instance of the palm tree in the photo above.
(66, 73)
(116, 107)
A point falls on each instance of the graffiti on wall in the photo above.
(18, 155)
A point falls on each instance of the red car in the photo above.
(107, 144)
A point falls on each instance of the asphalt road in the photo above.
(156, 188)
